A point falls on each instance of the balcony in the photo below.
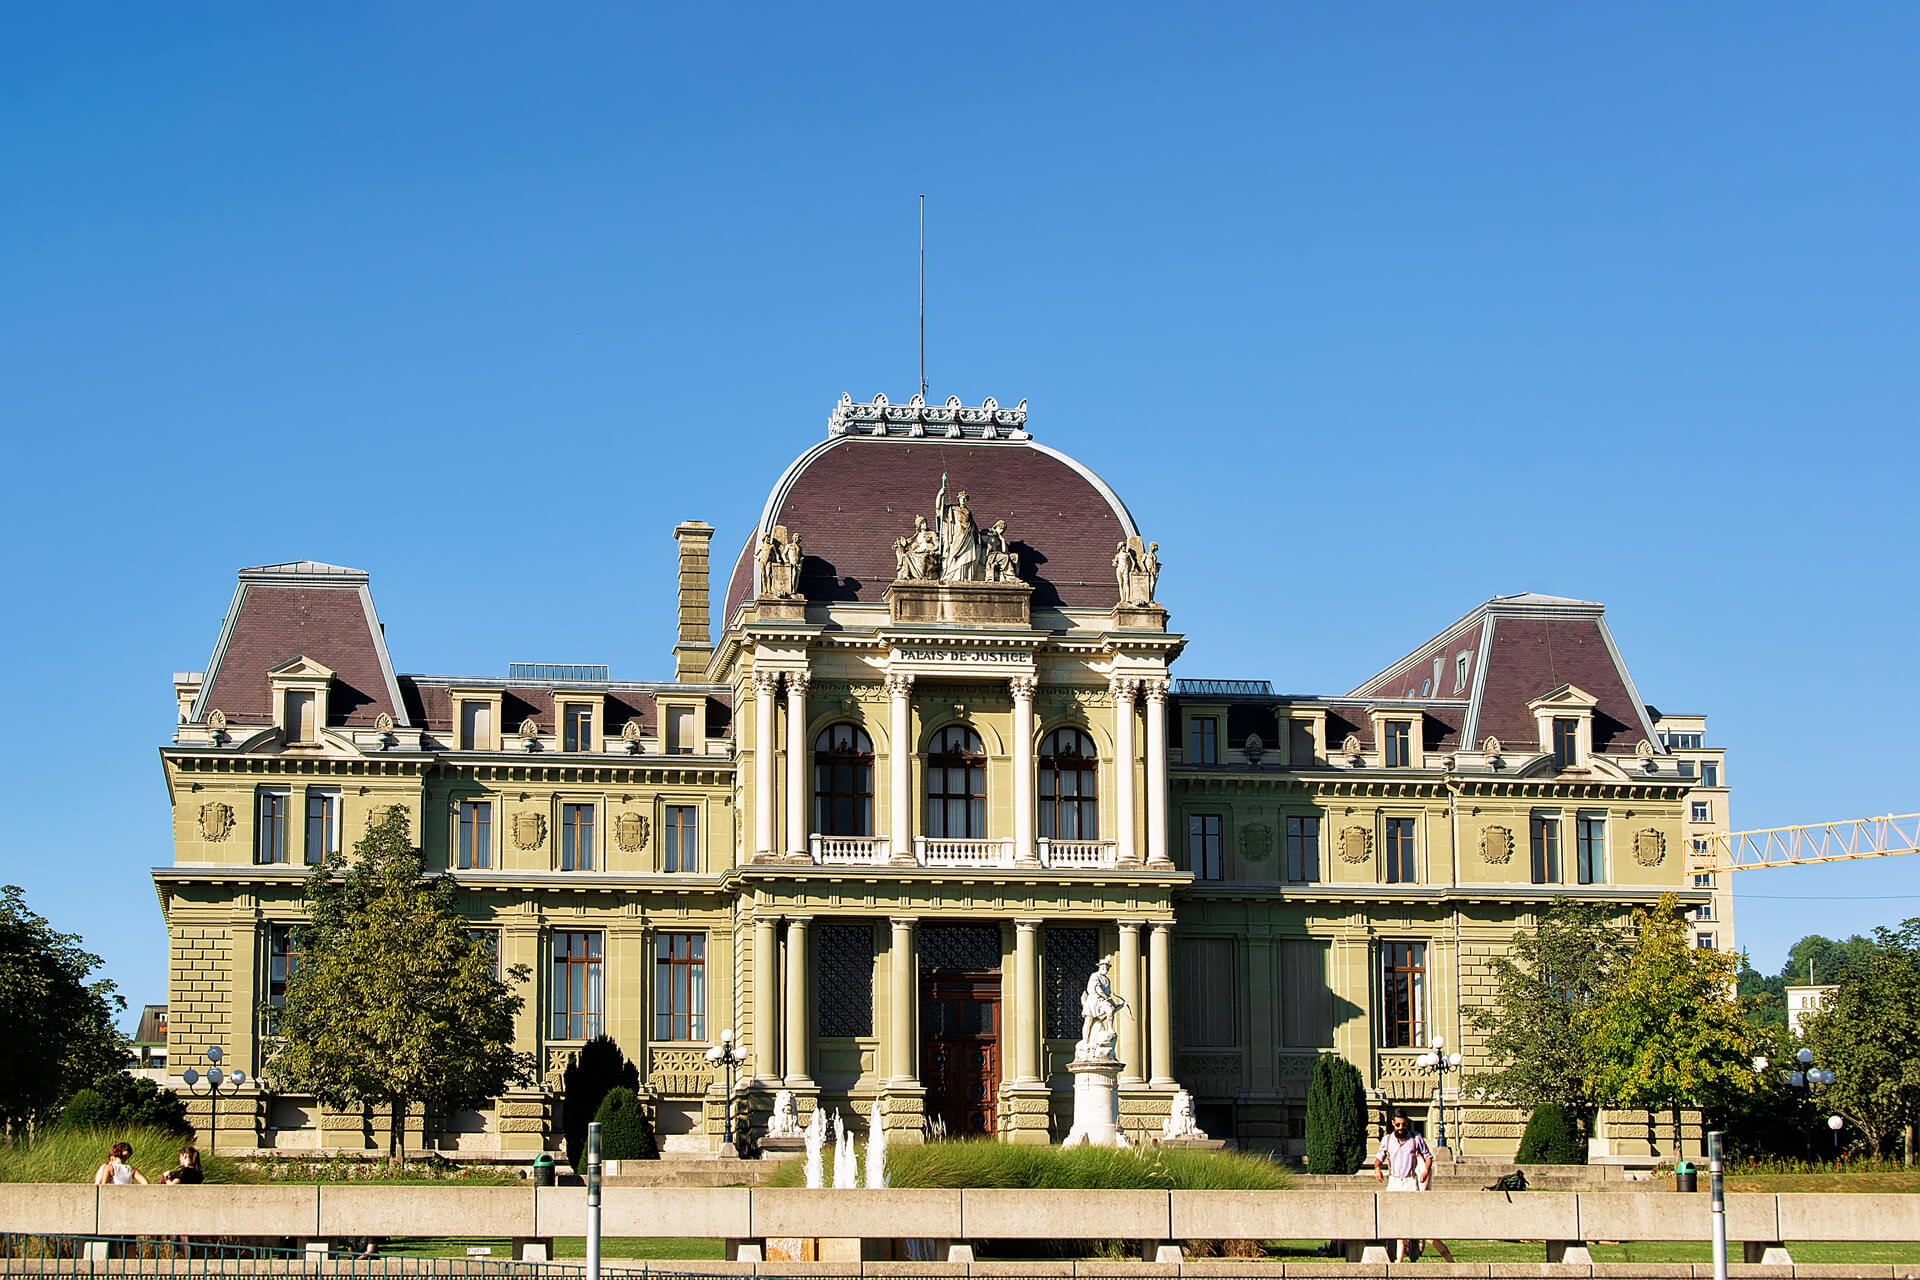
(1078, 855)
(850, 850)
(932, 851)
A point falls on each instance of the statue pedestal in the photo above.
(1096, 1105)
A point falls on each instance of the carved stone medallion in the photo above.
(530, 829)
(1256, 842)
(216, 820)
(1496, 846)
(1356, 845)
(1649, 847)
(630, 831)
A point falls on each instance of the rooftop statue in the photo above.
(1136, 570)
(779, 555)
(960, 558)
(916, 556)
(953, 548)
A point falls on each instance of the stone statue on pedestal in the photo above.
(785, 1122)
(1099, 1007)
(960, 559)
(1136, 570)
(1002, 564)
(917, 556)
(1095, 1067)
(1180, 1125)
(779, 555)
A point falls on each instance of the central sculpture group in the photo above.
(953, 548)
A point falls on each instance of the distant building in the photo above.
(1707, 813)
(149, 1044)
(935, 768)
(1804, 1001)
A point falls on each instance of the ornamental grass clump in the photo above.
(63, 1154)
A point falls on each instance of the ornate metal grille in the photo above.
(959, 948)
(846, 979)
(1071, 955)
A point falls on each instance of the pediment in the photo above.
(300, 668)
(1567, 697)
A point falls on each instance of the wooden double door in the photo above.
(960, 1050)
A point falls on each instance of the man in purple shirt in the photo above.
(1408, 1167)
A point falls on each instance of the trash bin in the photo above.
(543, 1170)
(1686, 1177)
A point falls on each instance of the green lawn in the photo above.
(1901, 1183)
(638, 1249)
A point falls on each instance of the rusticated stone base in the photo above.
(1026, 1114)
(1142, 1111)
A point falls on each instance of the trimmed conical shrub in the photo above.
(1552, 1137)
(625, 1132)
(599, 1067)
(1336, 1117)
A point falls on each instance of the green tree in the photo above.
(1667, 1029)
(1336, 1117)
(1552, 1137)
(393, 1003)
(58, 1017)
(1550, 975)
(625, 1133)
(1868, 1035)
(136, 1102)
(1824, 959)
(1763, 998)
(596, 1069)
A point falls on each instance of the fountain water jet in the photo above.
(816, 1136)
(877, 1146)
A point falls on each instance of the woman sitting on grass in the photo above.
(118, 1171)
(189, 1171)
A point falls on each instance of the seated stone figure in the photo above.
(785, 1122)
(1180, 1124)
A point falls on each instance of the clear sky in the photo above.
(1369, 312)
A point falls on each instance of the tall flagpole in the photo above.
(923, 295)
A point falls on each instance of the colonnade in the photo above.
(901, 788)
(782, 982)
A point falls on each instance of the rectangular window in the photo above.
(300, 726)
(282, 960)
(1300, 749)
(1704, 941)
(1546, 850)
(680, 986)
(679, 731)
(576, 987)
(1703, 880)
(1703, 811)
(1307, 1016)
(1204, 733)
(1684, 741)
(488, 940)
(1709, 773)
(1207, 1002)
(1399, 740)
(1203, 845)
(577, 733)
(576, 837)
(1566, 742)
(680, 851)
(1403, 995)
(1303, 849)
(1461, 665)
(270, 825)
(323, 825)
(1399, 859)
(843, 1000)
(1590, 849)
(1703, 912)
(476, 836)
(476, 726)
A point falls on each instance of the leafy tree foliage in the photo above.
(1336, 1117)
(58, 1018)
(598, 1068)
(1552, 1137)
(625, 1133)
(1825, 960)
(392, 1003)
(1550, 976)
(1763, 998)
(1868, 1035)
(1666, 1030)
(125, 1101)
(86, 1109)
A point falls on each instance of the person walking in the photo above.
(1408, 1166)
(118, 1171)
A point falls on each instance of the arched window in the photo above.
(843, 781)
(1069, 786)
(957, 785)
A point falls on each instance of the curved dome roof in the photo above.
(851, 495)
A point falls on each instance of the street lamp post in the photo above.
(1834, 1123)
(1440, 1062)
(728, 1055)
(1804, 1079)
(215, 1079)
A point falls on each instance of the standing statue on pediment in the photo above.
(779, 557)
(960, 558)
(1124, 567)
(793, 554)
(1136, 570)
(1150, 568)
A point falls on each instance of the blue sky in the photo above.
(1369, 312)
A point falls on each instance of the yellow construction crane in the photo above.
(1814, 842)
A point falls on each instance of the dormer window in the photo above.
(680, 731)
(1203, 740)
(1397, 744)
(1462, 663)
(1566, 742)
(577, 728)
(476, 726)
(300, 700)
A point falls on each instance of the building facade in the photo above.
(934, 766)
(1707, 815)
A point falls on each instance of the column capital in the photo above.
(767, 682)
(903, 922)
(800, 922)
(899, 683)
(1155, 688)
(1029, 925)
(1134, 925)
(1023, 687)
(1123, 688)
(797, 683)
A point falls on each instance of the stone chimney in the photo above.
(694, 643)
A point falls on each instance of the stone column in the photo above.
(1126, 822)
(798, 792)
(766, 994)
(1127, 981)
(1160, 1001)
(900, 765)
(1156, 691)
(799, 1025)
(905, 979)
(1026, 965)
(764, 684)
(1024, 849)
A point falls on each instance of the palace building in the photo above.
(934, 766)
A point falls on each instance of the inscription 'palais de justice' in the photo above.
(966, 657)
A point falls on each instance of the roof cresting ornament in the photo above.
(917, 419)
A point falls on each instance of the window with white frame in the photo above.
(271, 818)
(474, 850)
(1702, 810)
(323, 824)
(1590, 848)
(1709, 773)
